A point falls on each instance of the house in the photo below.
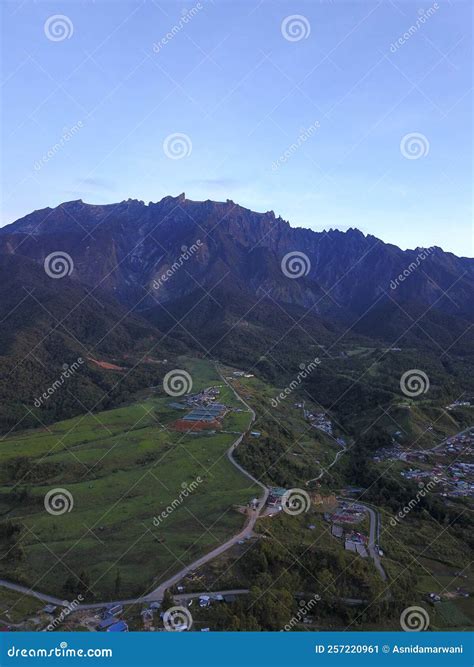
(121, 626)
(147, 615)
(255, 434)
(107, 622)
(336, 531)
(113, 610)
(230, 597)
(49, 609)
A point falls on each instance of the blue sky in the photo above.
(310, 116)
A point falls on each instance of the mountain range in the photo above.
(219, 280)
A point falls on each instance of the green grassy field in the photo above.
(14, 608)
(123, 467)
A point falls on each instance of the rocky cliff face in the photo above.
(163, 252)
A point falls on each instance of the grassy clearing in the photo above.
(123, 467)
(15, 607)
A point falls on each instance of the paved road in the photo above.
(324, 470)
(443, 442)
(245, 533)
(158, 593)
(35, 594)
(374, 532)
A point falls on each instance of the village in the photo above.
(343, 520)
(450, 464)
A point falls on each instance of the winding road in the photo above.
(158, 593)
(324, 470)
(246, 532)
(374, 532)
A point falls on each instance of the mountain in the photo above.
(64, 351)
(220, 281)
(125, 247)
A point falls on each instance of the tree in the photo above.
(168, 600)
(118, 583)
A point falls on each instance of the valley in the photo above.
(130, 529)
(185, 422)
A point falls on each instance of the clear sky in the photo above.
(308, 116)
